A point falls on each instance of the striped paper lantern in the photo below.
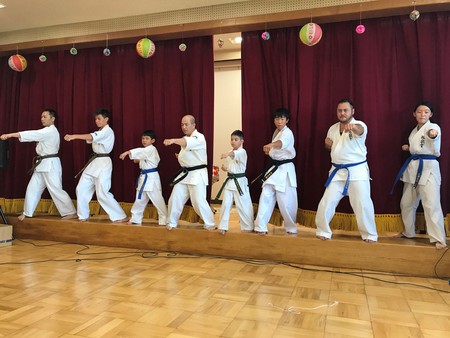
(17, 62)
(310, 34)
(145, 48)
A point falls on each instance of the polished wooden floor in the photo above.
(53, 289)
(49, 290)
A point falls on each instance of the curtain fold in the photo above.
(387, 70)
(141, 94)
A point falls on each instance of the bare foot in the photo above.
(138, 224)
(440, 246)
(83, 219)
(222, 232)
(168, 227)
(261, 233)
(399, 235)
(211, 228)
(123, 220)
(323, 238)
(293, 234)
(71, 216)
(21, 217)
(369, 240)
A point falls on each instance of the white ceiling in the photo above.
(25, 14)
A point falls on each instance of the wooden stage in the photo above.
(345, 250)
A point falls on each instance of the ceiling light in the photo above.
(236, 40)
(2, 5)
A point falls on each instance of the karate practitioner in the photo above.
(349, 174)
(192, 179)
(96, 175)
(46, 170)
(148, 186)
(423, 183)
(235, 186)
(279, 180)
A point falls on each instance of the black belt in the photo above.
(93, 157)
(231, 177)
(37, 160)
(185, 171)
(269, 170)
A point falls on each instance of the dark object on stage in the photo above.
(3, 164)
(2, 215)
(3, 154)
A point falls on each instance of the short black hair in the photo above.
(424, 103)
(104, 112)
(281, 112)
(345, 100)
(51, 112)
(238, 133)
(149, 133)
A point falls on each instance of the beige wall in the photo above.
(227, 112)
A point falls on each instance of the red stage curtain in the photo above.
(141, 94)
(387, 70)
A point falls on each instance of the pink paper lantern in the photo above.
(265, 36)
(360, 29)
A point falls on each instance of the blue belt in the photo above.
(419, 170)
(339, 167)
(144, 172)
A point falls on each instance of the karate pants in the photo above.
(244, 208)
(100, 185)
(53, 182)
(359, 195)
(287, 203)
(139, 205)
(431, 201)
(197, 193)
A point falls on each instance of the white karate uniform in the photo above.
(97, 178)
(193, 186)
(280, 187)
(148, 159)
(348, 149)
(244, 206)
(428, 189)
(48, 174)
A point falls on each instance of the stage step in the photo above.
(345, 250)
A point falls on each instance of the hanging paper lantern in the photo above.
(220, 43)
(17, 62)
(215, 170)
(310, 34)
(360, 29)
(42, 58)
(215, 174)
(182, 47)
(265, 36)
(414, 15)
(145, 48)
(106, 52)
